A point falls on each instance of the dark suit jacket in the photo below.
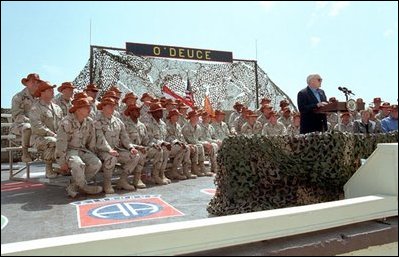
(307, 103)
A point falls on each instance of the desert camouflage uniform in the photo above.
(45, 119)
(262, 119)
(233, 116)
(63, 104)
(182, 153)
(157, 133)
(111, 134)
(249, 130)
(221, 130)
(344, 128)
(138, 135)
(292, 130)
(75, 146)
(22, 103)
(94, 111)
(274, 130)
(182, 121)
(191, 135)
(206, 136)
(286, 121)
(145, 116)
(237, 125)
(332, 117)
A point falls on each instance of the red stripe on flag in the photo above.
(168, 91)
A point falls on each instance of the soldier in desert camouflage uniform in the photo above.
(112, 94)
(235, 114)
(63, 99)
(283, 104)
(239, 121)
(264, 102)
(45, 117)
(92, 91)
(113, 145)
(21, 105)
(207, 139)
(286, 117)
(182, 108)
(346, 124)
(75, 147)
(274, 128)
(138, 135)
(192, 132)
(265, 114)
(129, 99)
(182, 149)
(221, 129)
(294, 128)
(157, 132)
(252, 126)
(169, 105)
(145, 116)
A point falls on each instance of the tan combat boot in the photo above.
(187, 172)
(204, 171)
(137, 181)
(174, 174)
(107, 186)
(91, 190)
(164, 178)
(195, 169)
(157, 179)
(26, 157)
(49, 170)
(72, 189)
(124, 184)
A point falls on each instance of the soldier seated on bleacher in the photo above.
(192, 132)
(21, 105)
(183, 150)
(114, 146)
(138, 135)
(45, 117)
(75, 148)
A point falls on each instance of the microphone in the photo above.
(340, 89)
(350, 92)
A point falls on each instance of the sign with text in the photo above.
(178, 52)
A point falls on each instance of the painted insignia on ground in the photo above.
(12, 186)
(4, 221)
(124, 209)
(209, 191)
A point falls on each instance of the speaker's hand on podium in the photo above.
(321, 104)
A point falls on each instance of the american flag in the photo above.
(189, 92)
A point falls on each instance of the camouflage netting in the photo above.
(226, 82)
(263, 173)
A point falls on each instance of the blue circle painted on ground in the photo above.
(123, 211)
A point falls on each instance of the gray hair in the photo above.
(310, 77)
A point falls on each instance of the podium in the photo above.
(339, 107)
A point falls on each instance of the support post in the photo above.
(256, 84)
(91, 65)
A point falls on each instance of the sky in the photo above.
(350, 44)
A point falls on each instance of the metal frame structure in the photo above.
(92, 47)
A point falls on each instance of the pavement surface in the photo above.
(41, 208)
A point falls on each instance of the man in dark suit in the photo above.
(309, 99)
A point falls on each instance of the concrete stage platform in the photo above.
(35, 210)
